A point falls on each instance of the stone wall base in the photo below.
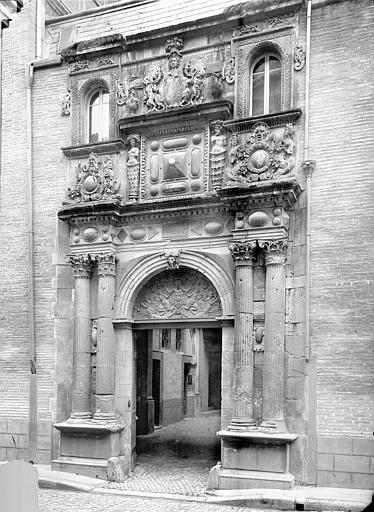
(229, 479)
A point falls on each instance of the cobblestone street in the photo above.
(66, 501)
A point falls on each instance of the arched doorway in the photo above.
(174, 323)
(178, 351)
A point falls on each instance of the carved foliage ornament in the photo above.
(275, 251)
(299, 58)
(243, 252)
(269, 24)
(94, 181)
(262, 157)
(82, 264)
(66, 104)
(106, 263)
(178, 294)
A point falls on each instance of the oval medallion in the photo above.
(90, 184)
(213, 227)
(137, 234)
(90, 234)
(258, 219)
(155, 169)
(259, 159)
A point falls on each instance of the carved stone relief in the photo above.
(266, 217)
(92, 233)
(261, 155)
(269, 24)
(94, 181)
(174, 165)
(133, 166)
(217, 154)
(183, 293)
(66, 104)
(299, 57)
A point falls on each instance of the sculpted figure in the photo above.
(152, 96)
(217, 154)
(133, 167)
(65, 104)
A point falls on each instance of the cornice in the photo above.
(204, 111)
(272, 120)
(84, 150)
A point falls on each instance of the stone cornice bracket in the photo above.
(308, 167)
(172, 260)
(275, 251)
(106, 263)
(243, 253)
(82, 264)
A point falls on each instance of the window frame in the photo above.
(101, 91)
(265, 56)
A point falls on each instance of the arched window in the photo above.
(98, 116)
(266, 85)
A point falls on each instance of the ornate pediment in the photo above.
(182, 293)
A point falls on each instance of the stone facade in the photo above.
(191, 216)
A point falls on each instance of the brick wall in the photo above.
(342, 270)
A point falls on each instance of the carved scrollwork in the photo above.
(275, 251)
(66, 104)
(243, 252)
(299, 58)
(94, 181)
(228, 71)
(178, 294)
(263, 157)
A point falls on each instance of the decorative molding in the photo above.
(66, 104)
(217, 153)
(272, 120)
(299, 57)
(178, 294)
(243, 253)
(82, 264)
(106, 263)
(270, 24)
(275, 251)
(94, 181)
(263, 157)
(94, 47)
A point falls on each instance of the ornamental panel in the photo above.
(181, 293)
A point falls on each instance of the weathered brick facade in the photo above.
(329, 396)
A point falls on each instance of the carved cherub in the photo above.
(152, 96)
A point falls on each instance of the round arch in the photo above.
(151, 265)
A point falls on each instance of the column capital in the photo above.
(82, 264)
(275, 251)
(106, 263)
(243, 252)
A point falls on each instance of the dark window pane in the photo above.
(260, 66)
(258, 84)
(275, 90)
(274, 63)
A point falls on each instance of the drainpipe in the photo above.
(33, 393)
(308, 167)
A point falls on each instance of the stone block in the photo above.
(7, 441)
(295, 345)
(254, 457)
(363, 446)
(44, 428)
(362, 481)
(333, 479)
(43, 456)
(295, 387)
(352, 463)
(2, 454)
(18, 426)
(44, 442)
(334, 445)
(16, 454)
(3, 425)
(325, 461)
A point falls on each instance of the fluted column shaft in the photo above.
(273, 374)
(81, 399)
(105, 356)
(243, 254)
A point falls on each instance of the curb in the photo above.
(260, 498)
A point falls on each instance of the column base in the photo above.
(92, 449)
(242, 425)
(253, 459)
(80, 416)
(230, 479)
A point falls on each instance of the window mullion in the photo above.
(266, 85)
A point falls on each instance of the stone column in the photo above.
(81, 401)
(273, 376)
(105, 357)
(243, 254)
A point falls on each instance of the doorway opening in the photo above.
(178, 393)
